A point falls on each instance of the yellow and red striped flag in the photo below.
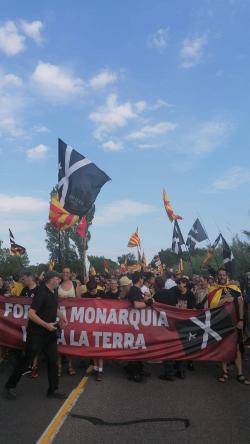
(59, 217)
(180, 266)
(170, 212)
(134, 240)
(106, 266)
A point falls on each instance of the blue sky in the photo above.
(156, 93)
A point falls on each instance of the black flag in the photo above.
(228, 258)
(15, 249)
(79, 180)
(178, 240)
(196, 234)
(211, 326)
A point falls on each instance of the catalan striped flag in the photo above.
(170, 212)
(134, 240)
(59, 217)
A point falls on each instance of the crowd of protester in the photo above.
(142, 289)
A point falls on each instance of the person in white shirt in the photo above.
(148, 286)
(170, 282)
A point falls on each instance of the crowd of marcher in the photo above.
(142, 289)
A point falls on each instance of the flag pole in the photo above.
(203, 226)
(59, 250)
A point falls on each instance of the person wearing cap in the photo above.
(124, 286)
(41, 336)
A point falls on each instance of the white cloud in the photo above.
(21, 204)
(152, 130)
(159, 39)
(112, 115)
(148, 146)
(9, 80)
(41, 129)
(11, 107)
(32, 30)
(110, 145)
(140, 106)
(120, 210)
(192, 51)
(102, 79)
(206, 137)
(11, 41)
(56, 82)
(38, 152)
(231, 179)
(160, 104)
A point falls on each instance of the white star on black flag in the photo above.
(197, 333)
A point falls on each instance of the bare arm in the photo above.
(78, 290)
(139, 304)
(62, 321)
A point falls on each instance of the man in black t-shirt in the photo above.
(113, 292)
(41, 336)
(30, 287)
(93, 291)
(180, 296)
(134, 368)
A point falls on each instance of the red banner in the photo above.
(114, 330)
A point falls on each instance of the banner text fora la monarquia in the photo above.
(115, 330)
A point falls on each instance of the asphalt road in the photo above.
(216, 412)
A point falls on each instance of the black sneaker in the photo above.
(99, 376)
(166, 377)
(56, 395)
(180, 374)
(145, 373)
(136, 377)
(190, 366)
(10, 393)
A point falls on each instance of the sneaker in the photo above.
(136, 378)
(180, 374)
(99, 376)
(190, 366)
(10, 393)
(56, 395)
(166, 377)
(145, 373)
(34, 372)
(27, 372)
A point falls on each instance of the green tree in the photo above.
(10, 265)
(66, 247)
(129, 258)
(98, 263)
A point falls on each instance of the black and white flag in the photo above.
(79, 180)
(196, 234)
(228, 258)
(211, 326)
(177, 240)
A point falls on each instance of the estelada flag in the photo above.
(134, 240)
(15, 249)
(51, 265)
(59, 217)
(106, 266)
(180, 266)
(170, 212)
(82, 227)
